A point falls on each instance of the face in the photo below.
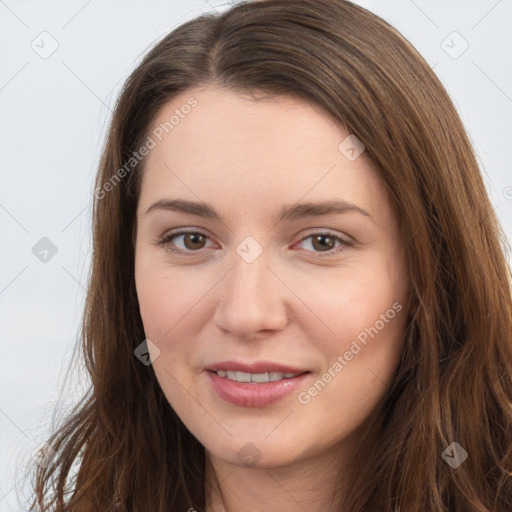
(240, 275)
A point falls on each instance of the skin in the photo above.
(300, 302)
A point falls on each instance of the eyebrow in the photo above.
(287, 213)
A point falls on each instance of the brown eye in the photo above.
(189, 242)
(194, 241)
(323, 242)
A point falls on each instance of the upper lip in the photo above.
(255, 367)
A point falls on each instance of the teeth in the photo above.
(260, 377)
(243, 377)
(255, 377)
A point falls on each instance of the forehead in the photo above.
(252, 123)
(252, 147)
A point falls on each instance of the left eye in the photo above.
(326, 240)
(195, 240)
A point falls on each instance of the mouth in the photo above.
(257, 384)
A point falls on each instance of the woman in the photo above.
(298, 298)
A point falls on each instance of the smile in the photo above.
(253, 389)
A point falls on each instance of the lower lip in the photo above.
(246, 394)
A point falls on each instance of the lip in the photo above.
(246, 394)
(256, 367)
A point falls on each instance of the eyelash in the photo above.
(166, 241)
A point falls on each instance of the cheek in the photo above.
(166, 297)
(360, 358)
(364, 304)
(166, 304)
(360, 337)
(174, 306)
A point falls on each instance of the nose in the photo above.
(252, 299)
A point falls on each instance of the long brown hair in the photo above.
(454, 381)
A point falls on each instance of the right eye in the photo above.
(191, 241)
